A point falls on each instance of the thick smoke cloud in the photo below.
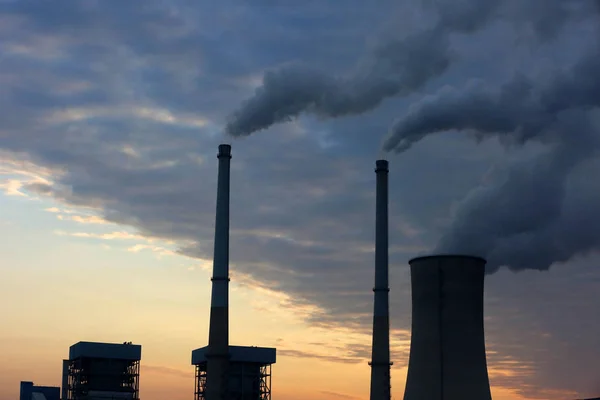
(532, 216)
(396, 68)
(518, 111)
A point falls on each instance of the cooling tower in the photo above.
(380, 353)
(217, 356)
(447, 350)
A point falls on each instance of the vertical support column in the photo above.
(380, 356)
(218, 337)
(26, 390)
(65, 380)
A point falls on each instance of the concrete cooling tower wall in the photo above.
(447, 353)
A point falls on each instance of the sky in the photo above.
(110, 116)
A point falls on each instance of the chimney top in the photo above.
(381, 166)
(224, 150)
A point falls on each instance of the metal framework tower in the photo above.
(249, 373)
(447, 350)
(102, 371)
(380, 357)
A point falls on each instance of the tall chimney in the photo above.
(447, 349)
(217, 356)
(380, 356)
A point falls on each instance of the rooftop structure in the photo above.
(115, 351)
(249, 372)
(31, 392)
(102, 371)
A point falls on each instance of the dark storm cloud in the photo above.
(124, 103)
(395, 68)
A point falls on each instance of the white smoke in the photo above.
(395, 68)
(529, 219)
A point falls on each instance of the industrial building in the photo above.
(31, 392)
(225, 372)
(249, 372)
(447, 349)
(102, 371)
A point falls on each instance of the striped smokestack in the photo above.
(380, 356)
(218, 336)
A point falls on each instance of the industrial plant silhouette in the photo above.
(447, 352)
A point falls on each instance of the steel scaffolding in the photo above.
(92, 378)
(247, 381)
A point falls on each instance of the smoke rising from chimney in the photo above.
(519, 111)
(395, 68)
(526, 219)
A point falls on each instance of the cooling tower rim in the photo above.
(447, 256)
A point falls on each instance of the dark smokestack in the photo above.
(380, 356)
(447, 349)
(218, 336)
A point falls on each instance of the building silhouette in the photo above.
(29, 391)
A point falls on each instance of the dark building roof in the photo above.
(31, 392)
(124, 351)
(242, 354)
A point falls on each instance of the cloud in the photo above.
(325, 357)
(120, 109)
(103, 236)
(91, 219)
(13, 188)
(340, 395)
(18, 175)
(167, 371)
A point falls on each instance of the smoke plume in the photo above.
(395, 68)
(528, 218)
